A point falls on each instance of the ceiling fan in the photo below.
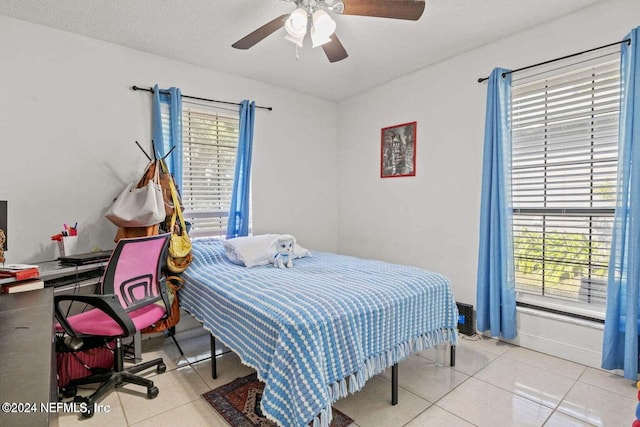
(315, 16)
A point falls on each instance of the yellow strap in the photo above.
(176, 201)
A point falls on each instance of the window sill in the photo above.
(560, 308)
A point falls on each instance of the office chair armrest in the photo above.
(162, 284)
(108, 304)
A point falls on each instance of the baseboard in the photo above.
(560, 336)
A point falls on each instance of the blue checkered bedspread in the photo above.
(318, 331)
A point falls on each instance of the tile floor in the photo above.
(493, 384)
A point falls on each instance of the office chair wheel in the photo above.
(89, 412)
(161, 368)
(152, 392)
(69, 391)
(90, 408)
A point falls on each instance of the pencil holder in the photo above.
(67, 246)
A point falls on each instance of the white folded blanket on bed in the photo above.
(252, 251)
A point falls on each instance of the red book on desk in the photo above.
(22, 286)
(22, 274)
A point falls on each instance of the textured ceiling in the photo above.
(201, 32)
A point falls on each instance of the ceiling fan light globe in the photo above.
(323, 24)
(296, 24)
(296, 33)
(318, 39)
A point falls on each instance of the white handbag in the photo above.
(139, 207)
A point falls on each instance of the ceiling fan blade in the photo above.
(334, 49)
(397, 9)
(266, 30)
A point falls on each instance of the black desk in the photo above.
(27, 362)
(55, 273)
(27, 349)
(59, 275)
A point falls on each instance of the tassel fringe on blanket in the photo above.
(377, 364)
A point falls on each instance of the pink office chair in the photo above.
(133, 296)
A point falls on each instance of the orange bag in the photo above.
(124, 232)
(174, 315)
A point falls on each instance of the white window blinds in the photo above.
(210, 142)
(564, 166)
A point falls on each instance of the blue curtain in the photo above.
(170, 135)
(620, 345)
(238, 224)
(496, 297)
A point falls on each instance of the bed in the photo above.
(318, 331)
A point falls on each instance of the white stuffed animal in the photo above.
(284, 251)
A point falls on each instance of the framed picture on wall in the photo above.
(398, 151)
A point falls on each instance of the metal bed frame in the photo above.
(394, 368)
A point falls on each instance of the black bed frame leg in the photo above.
(452, 357)
(394, 384)
(214, 368)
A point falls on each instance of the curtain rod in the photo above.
(628, 41)
(150, 89)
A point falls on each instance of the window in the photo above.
(564, 168)
(210, 141)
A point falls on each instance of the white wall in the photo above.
(69, 121)
(431, 220)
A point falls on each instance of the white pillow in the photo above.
(252, 251)
(249, 251)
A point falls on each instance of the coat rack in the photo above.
(153, 145)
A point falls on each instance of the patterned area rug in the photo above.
(239, 403)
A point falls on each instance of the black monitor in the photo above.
(3, 222)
